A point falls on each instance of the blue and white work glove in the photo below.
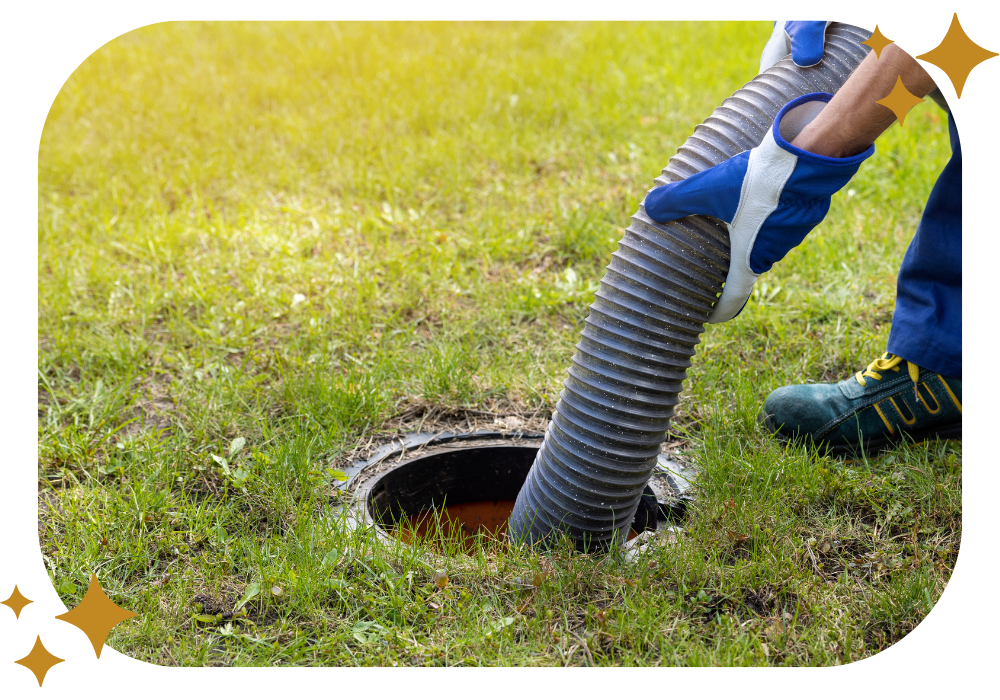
(770, 196)
(804, 40)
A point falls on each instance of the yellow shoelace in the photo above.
(888, 363)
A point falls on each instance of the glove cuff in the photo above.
(795, 116)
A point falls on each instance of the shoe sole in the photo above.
(870, 446)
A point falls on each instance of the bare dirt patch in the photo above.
(419, 416)
(153, 410)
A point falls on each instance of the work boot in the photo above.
(876, 408)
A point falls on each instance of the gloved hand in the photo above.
(803, 39)
(770, 196)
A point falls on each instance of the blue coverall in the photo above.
(927, 321)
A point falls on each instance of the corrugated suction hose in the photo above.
(612, 417)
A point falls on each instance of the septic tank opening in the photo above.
(466, 484)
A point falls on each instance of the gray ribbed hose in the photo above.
(651, 307)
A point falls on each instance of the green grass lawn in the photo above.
(314, 237)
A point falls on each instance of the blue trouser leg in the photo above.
(927, 322)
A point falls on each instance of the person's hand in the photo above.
(803, 39)
(770, 197)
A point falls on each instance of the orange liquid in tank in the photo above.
(461, 520)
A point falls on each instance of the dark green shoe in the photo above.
(874, 409)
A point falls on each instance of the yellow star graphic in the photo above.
(900, 100)
(16, 602)
(96, 615)
(957, 55)
(878, 41)
(39, 661)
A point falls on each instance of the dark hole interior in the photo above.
(465, 475)
(457, 476)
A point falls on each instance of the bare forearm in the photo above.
(853, 119)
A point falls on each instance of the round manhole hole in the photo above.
(465, 484)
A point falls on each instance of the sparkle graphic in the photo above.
(900, 100)
(39, 661)
(957, 55)
(16, 602)
(96, 615)
(878, 41)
